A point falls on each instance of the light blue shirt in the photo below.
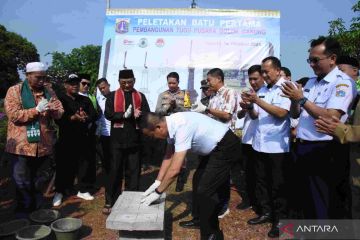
(334, 91)
(249, 129)
(195, 131)
(103, 123)
(272, 134)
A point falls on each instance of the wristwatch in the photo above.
(302, 101)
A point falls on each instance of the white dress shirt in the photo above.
(195, 131)
(249, 129)
(334, 91)
(103, 123)
(272, 134)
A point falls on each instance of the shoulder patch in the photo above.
(340, 93)
(342, 85)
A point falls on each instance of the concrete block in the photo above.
(135, 220)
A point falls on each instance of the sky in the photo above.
(61, 25)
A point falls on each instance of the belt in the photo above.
(299, 140)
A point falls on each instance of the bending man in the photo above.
(221, 149)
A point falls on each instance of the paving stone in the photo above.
(128, 214)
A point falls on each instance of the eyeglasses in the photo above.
(315, 60)
(85, 83)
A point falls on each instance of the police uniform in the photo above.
(220, 149)
(163, 105)
(321, 172)
(271, 143)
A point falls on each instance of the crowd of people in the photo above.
(293, 159)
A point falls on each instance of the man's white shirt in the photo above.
(272, 134)
(334, 91)
(195, 131)
(104, 124)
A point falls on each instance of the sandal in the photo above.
(107, 209)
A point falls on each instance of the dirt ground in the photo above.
(178, 208)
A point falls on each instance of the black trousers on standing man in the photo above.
(124, 161)
(210, 178)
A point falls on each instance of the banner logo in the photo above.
(160, 42)
(143, 42)
(122, 25)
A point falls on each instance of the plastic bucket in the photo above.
(33, 232)
(9, 229)
(66, 228)
(44, 216)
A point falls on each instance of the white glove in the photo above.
(150, 199)
(198, 107)
(127, 114)
(152, 188)
(42, 105)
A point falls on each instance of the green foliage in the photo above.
(348, 38)
(85, 59)
(15, 53)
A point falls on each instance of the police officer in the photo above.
(271, 143)
(193, 131)
(169, 102)
(329, 94)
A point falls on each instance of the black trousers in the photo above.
(89, 162)
(124, 161)
(322, 178)
(106, 152)
(271, 172)
(249, 176)
(72, 160)
(25, 173)
(210, 178)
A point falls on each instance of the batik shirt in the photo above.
(225, 99)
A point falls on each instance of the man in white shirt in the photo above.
(104, 127)
(256, 82)
(193, 131)
(271, 143)
(325, 96)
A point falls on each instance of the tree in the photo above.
(15, 53)
(348, 38)
(85, 59)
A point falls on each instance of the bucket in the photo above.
(33, 232)
(44, 216)
(9, 229)
(66, 228)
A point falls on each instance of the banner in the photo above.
(155, 42)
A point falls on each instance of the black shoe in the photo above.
(274, 231)
(260, 220)
(193, 224)
(243, 205)
(214, 236)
